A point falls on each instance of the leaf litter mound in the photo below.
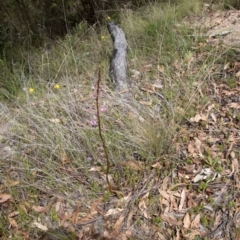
(198, 199)
(221, 25)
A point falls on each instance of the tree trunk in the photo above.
(118, 63)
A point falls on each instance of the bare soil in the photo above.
(220, 25)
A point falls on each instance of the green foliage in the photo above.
(230, 4)
(27, 22)
(202, 186)
(204, 221)
(60, 234)
(31, 21)
(158, 30)
(3, 224)
(157, 221)
(61, 150)
(10, 84)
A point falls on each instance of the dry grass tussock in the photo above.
(53, 163)
(56, 112)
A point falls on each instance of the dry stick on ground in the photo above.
(100, 130)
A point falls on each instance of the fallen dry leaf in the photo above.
(164, 194)
(183, 198)
(191, 147)
(232, 155)
(147, 67)
(128, 234)
(64, 158)
(12, 222)
(238, 74)
(234, 105)
(59, 207)
(39, 209)
(12, 183)
(40, 226)
(55, 120)
(177, 234)
(226, 66)
(148, 88)
(186, 221)
(135, 73)
(119, 222)
(4, 197)
(157, 165)
(94, 206)
(161, 68)
(13, 214)
(165, 183)
(124, 200)
(157, 85)
(75, 214)
(198, 145)
(149, 103)
(213, 117)
(169, 218)
(202, 175)
(65, 217)
(129, 219)
(235, 167)
(198, 117)
(95, 169)
(143, 207)
(196, 221)
(114, 211)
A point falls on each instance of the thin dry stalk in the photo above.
(100, 131)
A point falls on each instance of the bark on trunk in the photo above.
(118, 63)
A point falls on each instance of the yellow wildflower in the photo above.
(102, 37)
(56, 86)
(31, 90)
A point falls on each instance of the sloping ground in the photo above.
(213, 146)
(198, 198)
(223, 24)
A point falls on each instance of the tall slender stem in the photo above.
(100, 130)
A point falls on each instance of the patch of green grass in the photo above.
(54, 215)
(23, 218)
(231, 82)
(56, 131)
(189, 161)
(202, 186)
(157, 221)
(204, 220)
(231, 204)
(59, 233)
(3, 224)
(231, 4)
(197, 209)
(156, 32)
(10, 81)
